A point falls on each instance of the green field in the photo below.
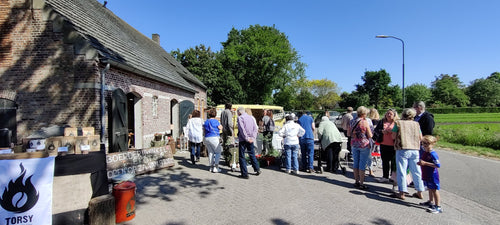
(467, 118)
(477, 133)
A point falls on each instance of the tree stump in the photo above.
(102, 210)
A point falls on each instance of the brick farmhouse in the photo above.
(54, 55)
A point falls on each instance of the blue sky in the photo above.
(335, 38)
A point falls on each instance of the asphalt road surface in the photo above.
(473, 178)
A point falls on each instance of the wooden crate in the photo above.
(69, 141)
(95, 143)
(88, 131)
(79, 141)
(71, 131)
(52, 144)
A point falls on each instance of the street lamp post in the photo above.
(402, 42)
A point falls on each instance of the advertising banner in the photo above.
(26, 191)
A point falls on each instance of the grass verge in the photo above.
(481, 135)
(467, 118)
(470, 150)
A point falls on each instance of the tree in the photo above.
(325, 93)
(305, 100)
(495, 77)
(354, 100)
(449, 90)
(286, 97)
(417, 92)
(261, 59)
(393, 97)
(222, 86)
(485, 92)
(376, 85)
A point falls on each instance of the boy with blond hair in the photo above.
(429, 161)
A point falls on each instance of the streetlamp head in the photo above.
(382, 36)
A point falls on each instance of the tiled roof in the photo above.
(120, 42)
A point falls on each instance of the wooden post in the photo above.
(102, 210)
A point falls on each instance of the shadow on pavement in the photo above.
(279, 222)
(164, 184)
(374, 192)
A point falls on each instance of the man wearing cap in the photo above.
(307, 142)
(247, 135)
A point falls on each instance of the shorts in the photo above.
(431, 185)
(360, 157)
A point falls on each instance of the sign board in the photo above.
(26, 191)
(139, 161)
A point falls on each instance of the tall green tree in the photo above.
(449, 90)
(393, 97)
(417, 92)
(305, 100)
(325, 92)
(222, 86)
(495, 77)
(376, 85)
(262, 60)
(286, 97)
(485, 92)
(354, 99)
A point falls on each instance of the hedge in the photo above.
(464, 110)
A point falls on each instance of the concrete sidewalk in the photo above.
(190, 194)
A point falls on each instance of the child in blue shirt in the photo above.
(429, 162)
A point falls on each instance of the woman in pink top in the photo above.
(387, 151)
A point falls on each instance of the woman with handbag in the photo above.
(360, 144)
(387, 153)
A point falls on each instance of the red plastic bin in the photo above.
(124, 194)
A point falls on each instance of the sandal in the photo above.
(397, 195)
(416, 195)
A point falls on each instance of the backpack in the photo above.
(270, 125)
(378, 136)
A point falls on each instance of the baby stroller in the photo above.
(282, 155)
(344, 154)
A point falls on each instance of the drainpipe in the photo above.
(103, 101)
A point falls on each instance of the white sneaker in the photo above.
(288, 171)
(215, 170)
(296, 172)
(210, 170)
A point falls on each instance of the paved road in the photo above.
(187, 194)
(473, 178)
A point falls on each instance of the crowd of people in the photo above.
(405, 145)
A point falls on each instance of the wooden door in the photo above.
(8, 112)
(185, 108)
(119, 122)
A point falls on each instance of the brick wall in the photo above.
(54, 86)
(42, 71)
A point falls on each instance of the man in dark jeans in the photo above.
(247, 134)
(307, 142)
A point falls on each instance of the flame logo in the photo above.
(19, 197)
